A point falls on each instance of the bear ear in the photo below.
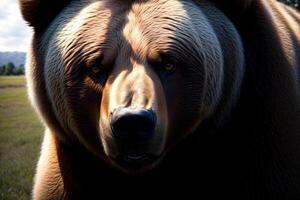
(234, 9)
(39, 13)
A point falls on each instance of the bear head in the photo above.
(130, 79)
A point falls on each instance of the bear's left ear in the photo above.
(39, 13)
(234, 9)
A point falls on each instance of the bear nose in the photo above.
(133, 124)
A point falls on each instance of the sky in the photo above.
(14, 33)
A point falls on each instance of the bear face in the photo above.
(118, 84)
(119, 75)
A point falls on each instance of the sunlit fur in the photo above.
(237, 75)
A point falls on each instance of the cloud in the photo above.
(14, 33)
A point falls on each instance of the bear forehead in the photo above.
(86, 27)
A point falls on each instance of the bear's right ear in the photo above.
(40, 13)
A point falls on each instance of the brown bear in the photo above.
(198, 97)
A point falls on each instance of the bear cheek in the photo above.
(84, 99)
(174, 96)
(182, 105)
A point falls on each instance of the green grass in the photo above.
(20, 139)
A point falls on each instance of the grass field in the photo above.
(20, 139)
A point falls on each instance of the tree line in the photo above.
(11, 70)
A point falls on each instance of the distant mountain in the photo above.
(18, 58)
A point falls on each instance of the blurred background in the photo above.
(20, 129)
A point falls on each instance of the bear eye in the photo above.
(95, 69)
(162, 63)
(96, 66)
(169, 67)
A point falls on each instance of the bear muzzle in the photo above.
(133, 129)
(133, 120)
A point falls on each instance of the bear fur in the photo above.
(229, 116)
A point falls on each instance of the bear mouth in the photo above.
(135, 163)
(136, 158)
